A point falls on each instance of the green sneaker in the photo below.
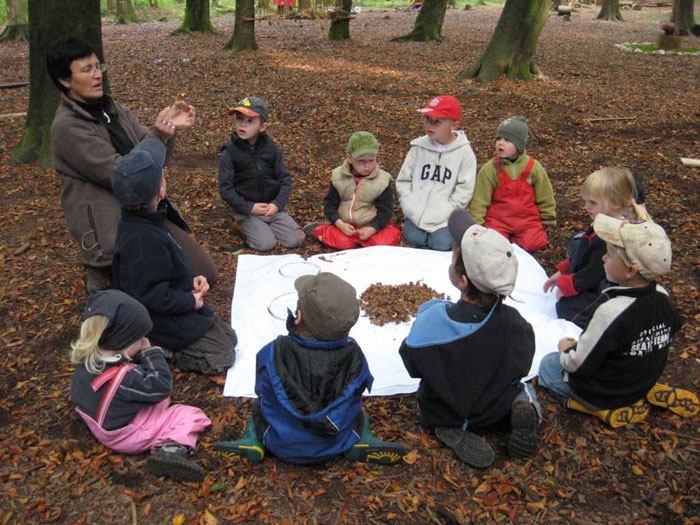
(309, 228)
(248, 447)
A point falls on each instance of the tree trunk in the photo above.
(196, 18)
(610, 10)
(125, 12)
(683, 17)
(304, 5)
(340, 21)
(243, 27)
(153, 3)
(429, 21)
(110, 6)
(17, 27)
(513, 43)
(49, 20)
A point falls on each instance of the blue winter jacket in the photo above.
(310, 397)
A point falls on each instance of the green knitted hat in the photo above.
(362, 142)
(514, 129)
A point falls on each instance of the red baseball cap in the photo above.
(443, 106)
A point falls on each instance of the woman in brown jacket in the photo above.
(90, 133)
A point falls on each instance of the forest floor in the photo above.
(319, 92)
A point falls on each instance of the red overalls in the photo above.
(331, 236)
(513, 212)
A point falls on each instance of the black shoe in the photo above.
(172, 461)
(468, 447)
(523, 429)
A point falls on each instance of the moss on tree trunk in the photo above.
(512, 47)
(125, 12)
(196, 18)
(682, 16)
(244, 27)
(610, 10)
(429, 21)
(49, 20)
(17, 27)
(340, 21)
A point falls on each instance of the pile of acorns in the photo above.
(386, 303)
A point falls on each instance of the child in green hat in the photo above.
(513, 194)
(359, 203)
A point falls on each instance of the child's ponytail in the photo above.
(86, 348)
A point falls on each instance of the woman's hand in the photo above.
(163, 126)
(182, 115)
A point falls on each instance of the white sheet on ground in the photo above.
(265, 287)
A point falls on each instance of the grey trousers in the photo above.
(262, 233)
(211, 354)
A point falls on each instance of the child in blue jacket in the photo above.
(310, 383)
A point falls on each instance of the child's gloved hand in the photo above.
(551, 283)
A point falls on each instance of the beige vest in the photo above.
(357, 200)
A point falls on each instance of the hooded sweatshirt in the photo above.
(435, 180)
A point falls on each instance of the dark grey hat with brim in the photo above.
(128, 319)
(328, 304)
(137, 176)
(458, 223)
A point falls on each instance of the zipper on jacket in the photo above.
(354, 199)
(91, 220)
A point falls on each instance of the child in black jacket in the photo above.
(616, 362)
(472, 355)
(152, 268)
(255, 182)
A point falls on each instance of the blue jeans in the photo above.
(440, 240)
(551, 377)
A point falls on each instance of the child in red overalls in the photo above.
(359, 203)
(513, 194)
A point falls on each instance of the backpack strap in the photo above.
(115, 376)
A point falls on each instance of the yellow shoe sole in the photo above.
(679, 401)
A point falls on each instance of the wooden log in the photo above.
(605, 119)
(690, 162)
(564, 10)
(12, 115)
(12, 85)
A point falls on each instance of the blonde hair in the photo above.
(87, 349)
(615, 187)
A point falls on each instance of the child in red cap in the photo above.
(437, 176)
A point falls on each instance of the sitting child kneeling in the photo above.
(471, 355)
(310, 383)
(122, 388)
(621, 354)
(359, 203)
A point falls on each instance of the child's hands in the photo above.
(272, 210)
(566, 343)
(551, 283)
(136, 347)
(260, 208)
(198, 301)
(347, 229)
(201, 285)
(366, 232)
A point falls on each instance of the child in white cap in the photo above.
(471, 355)
(620, 356)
